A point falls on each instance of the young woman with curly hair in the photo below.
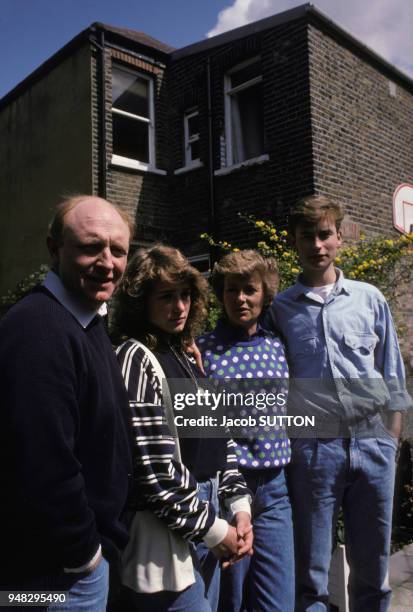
(160, 305)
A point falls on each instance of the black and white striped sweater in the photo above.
(161, 483)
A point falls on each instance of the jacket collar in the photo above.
(342, 285)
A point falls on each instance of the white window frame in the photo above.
(120, 160)
(228, 91)
(188, 140)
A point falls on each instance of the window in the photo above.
(244, 112)
(132, 118)
(191, 137)
(202, 263)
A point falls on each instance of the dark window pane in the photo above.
(130, 138)
(247, 124)
(130, 92)
(194, 148)
(202, 265)
(193, 125)
(246, 74)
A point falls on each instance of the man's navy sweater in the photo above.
(65, 448)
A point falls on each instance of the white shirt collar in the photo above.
(81, 313)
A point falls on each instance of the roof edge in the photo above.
(320, 18)
(314, 16)
(46, 66)
(255, 27)
(65, 52)
(154, 44)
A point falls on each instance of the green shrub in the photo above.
(23, 288)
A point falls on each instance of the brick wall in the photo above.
(267, 189)
(362, 135)
(143, 194)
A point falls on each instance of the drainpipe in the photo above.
(98, 41)
(211, 211)
(102, 119)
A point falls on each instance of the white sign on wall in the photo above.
(403, 208)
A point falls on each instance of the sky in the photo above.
(32, 30)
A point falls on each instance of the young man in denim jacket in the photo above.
(346, 369)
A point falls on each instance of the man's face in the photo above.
(92, 258)
(317, 246)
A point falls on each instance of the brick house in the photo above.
(184, 139)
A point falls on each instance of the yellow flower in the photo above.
(284, 233)
(235, 250)
(295, 270)
(259, 223)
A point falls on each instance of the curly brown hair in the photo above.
(147, 266)
(244, 263)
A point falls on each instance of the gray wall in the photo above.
(45, 153)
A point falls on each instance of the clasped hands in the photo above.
(238, 541)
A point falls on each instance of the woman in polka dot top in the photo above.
(253, 360)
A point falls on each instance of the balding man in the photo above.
(65, 446)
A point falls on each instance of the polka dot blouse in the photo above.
(259, 362)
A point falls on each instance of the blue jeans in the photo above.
(356, 474)
(89, 593)
(192, 599)
(86, 592)
(265, 581)
(205, 561)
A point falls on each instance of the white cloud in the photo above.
(242, 12)
(383, 25)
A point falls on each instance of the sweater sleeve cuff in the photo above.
(87, 567)
(239, 504)
(216, 533)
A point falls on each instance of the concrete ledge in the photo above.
(401, 566)
(401, 580)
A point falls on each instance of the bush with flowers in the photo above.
(384, 262)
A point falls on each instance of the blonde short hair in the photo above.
(244, 263)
